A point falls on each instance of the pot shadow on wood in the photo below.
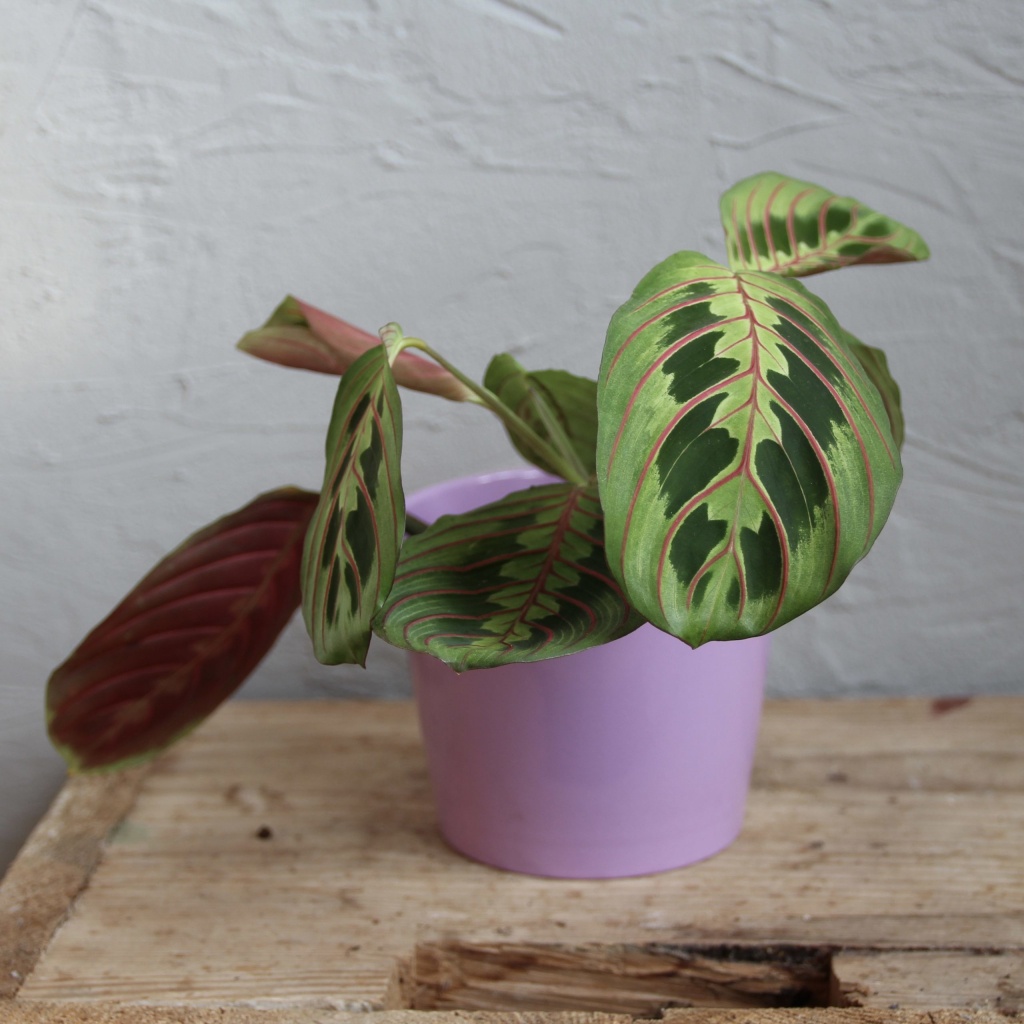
(629, 979)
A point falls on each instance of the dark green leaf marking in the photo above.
(805, 337)
(692, 456)
(692, 545)
(370, 461)
(359, 535)
(802, 390)
(780, 481)
(762, 559)
(837, 219)
(700, 590)
(332, 590)
(685, 321)
(801, 455)
(694, 368)
(360, 520)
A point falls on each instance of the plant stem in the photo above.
(518, 426)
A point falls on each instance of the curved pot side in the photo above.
(626, 759)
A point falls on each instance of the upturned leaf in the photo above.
(306, 338)
(352, 545)
(794, 228)
(522, 579)
(184, 639)
(558, 405)
(745, 462)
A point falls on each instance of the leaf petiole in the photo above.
(568, 468)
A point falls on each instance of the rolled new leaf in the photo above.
(306, 338)
(550, 401)
(184, 639)
(352, 546)
(790, 227)
(745, 460)
(522, 579)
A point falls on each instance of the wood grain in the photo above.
(286, 855)
(638, 980)
(100, 1013)
(54, 865)
(930, 980)
(948, 746)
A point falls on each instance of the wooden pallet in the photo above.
(283, 865)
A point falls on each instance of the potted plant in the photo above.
(737, 455)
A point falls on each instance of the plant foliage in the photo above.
(738, 455)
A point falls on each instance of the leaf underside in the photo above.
(352, 545)
(793, 228)
(184, 639)
(306, 338)
(522, 579)
(570, 400)
(745, 458)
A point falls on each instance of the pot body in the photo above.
(625, 759)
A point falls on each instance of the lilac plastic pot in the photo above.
(625, 759)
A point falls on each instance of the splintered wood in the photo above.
(283, 864)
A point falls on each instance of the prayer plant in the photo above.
(738, 454)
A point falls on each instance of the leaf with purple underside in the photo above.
(184, 639)
(301, 336)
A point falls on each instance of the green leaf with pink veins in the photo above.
(785, 226)
(352, 545)
(745, 458)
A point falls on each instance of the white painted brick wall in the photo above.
(492, 174)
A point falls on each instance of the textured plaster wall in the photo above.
(492, 174)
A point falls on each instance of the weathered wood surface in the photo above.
(928, 980)
(100, 1013)
(872, 825)
(635, 980)
(54, 866)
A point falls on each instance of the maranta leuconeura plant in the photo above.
(737, 455)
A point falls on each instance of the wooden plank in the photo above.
(54, 866)
(100, 1013)
(833, 1016)
(191, 905)
(928, 980)
(901, 744)
(638, 980)
(119, 1013)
